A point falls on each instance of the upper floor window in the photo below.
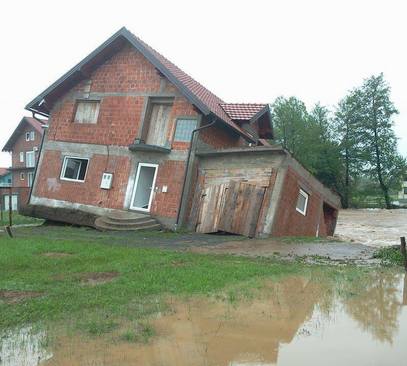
(156, 124)
(87, 111)
(74, 169)
(21, 157)
(30, 136)
(302, 202)
(30, 159)
(183, 131)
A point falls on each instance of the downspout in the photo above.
(44, 127)
(191, 146)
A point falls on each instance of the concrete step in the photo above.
(105, 227)
(124, 222)
(130, 217)
(149, 221)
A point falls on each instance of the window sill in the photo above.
(149, 148)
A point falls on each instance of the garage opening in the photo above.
(330, 217)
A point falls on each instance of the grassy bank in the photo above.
(18, 219)
(110, 282)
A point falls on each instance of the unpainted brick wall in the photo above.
(49, 184)
(290, 222)
(21, 145)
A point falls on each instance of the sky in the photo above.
(243, 51)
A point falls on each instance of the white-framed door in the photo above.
(144, 187)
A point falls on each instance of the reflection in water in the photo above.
(23, 347)
(294, 321)
(376, 305)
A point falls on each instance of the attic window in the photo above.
(155, 129)
(87, 111)
(302, 202)
(30, 136)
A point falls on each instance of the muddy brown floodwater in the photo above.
(295, 321)
(373, 227)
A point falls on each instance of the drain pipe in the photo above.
(44, 127)
(187, 167)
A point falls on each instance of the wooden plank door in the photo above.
(241, 209)
(211, 207)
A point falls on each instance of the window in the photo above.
(30, 177)
(87, 111)
(74, 169)
(21, 157)
(30, 159)
(405, 190)
(302, 202)
(22, 176)
(155, 129)
(183, 131)
(30, 136)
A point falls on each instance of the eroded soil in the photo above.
(13, 297)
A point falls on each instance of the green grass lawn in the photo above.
(145, 276)
(18, 219)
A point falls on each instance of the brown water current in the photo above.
(294, 321)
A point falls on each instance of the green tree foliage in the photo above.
(347, 133)
(381, 160)
(354, 148)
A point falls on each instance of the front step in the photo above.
(126, 221)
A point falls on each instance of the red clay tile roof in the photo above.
(209, 99)
(4, 171)
(242, 111)
(197, 94)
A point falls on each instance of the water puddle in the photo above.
(296, 321)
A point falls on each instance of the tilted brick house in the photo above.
(121, 123)
(24, 145)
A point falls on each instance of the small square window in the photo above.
(183, 131)
(87, 111)
(27, 136)
(302, 202)
(74, 169)
(22, 176)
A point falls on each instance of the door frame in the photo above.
(140, 165)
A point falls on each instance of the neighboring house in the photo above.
(120, 129)
(24, 144)
(5, 177)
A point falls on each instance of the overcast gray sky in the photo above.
(243, 51)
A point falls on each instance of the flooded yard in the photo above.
(308, 320)
(373, 227)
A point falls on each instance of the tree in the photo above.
(289, 117)
(347, 133)
(383, 163)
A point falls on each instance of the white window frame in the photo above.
(306, 196)
(22, 176)
(64, 167)
(26, 159)
(21, 156)
(27, 136)
(30, 181)
(140, 165)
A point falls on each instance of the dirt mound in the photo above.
(97, 278)
(14, 297)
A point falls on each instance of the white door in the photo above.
(144, 187)
(14, 202)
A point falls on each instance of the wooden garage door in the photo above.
(233, 208)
